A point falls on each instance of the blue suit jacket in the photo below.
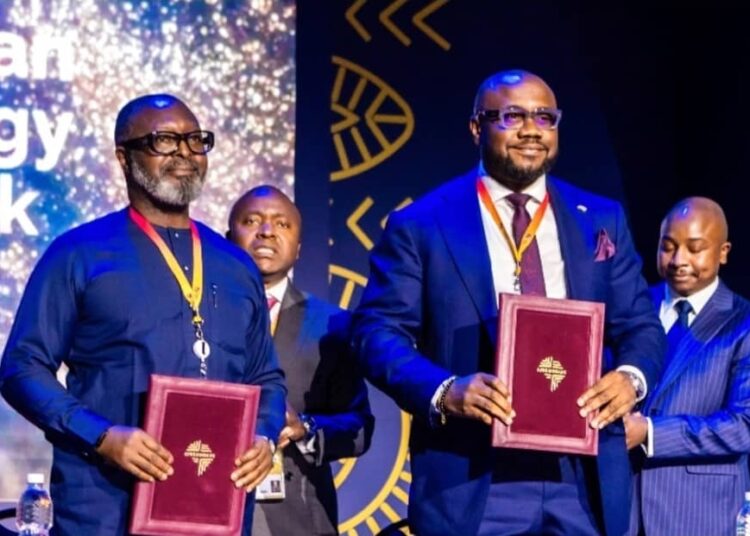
(430, 311)
(700, 410)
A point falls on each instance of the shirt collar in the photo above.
(697, 301)
(278, 290)
(537, 189)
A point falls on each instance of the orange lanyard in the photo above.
(193, 292)
(528, 234)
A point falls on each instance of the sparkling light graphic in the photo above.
(232, 62)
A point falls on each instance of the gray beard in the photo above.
(166, 192)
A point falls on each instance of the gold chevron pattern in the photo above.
(372, 120)
(386, 19)
(201, 454)
(352, 222)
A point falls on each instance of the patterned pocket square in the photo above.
(605, 248)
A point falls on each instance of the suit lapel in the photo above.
(286, 337)
(573, 228)
(461, 225)
(704, 328)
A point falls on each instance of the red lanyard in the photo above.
(193, 292)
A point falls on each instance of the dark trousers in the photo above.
(540, 493)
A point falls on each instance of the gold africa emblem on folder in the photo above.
(553, 370)
(201, 454)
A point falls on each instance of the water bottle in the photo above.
(743, 517)
(34, 510)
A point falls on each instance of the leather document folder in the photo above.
(549, 352)
(206, 425)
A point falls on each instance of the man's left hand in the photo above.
(253, 465)
(636, 429)
(613, 395)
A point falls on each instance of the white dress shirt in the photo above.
(501, 257)
(667, 312)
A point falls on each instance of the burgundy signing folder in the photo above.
(206, 425)
(548, 353)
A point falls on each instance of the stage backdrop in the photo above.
(66, 67)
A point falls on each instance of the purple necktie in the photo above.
(532, 276)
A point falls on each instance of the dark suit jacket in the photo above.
(323, 379)
(429, 311)
(694, 483)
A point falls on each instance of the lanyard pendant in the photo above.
(517, 278)
(201, 348)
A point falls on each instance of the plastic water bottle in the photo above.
(743, 517)
(34, 510)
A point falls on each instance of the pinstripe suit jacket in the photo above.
(694, 483)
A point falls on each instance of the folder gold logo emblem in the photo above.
(553, 370)
(201, 454)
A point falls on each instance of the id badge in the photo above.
(272, 487)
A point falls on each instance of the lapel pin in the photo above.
(582, 208)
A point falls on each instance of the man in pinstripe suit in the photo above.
(693, 437)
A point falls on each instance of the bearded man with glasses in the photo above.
(426, 328)
(107, 299)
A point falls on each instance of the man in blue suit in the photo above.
(695, 436)
(426, 329)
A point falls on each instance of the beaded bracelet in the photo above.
(441, 401)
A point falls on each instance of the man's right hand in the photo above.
(137, 453)
(480, 396)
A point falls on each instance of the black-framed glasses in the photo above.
(168, 143)
(514, 117)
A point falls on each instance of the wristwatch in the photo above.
(640, 388)
(310, 426)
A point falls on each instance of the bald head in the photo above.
(703, 208)
(126, 125)
(507, 79)
(265, 223)
(264, 191)
(692, 245)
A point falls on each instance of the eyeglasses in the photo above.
(168, 143)
(513, 118)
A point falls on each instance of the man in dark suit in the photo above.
(324, 385)
(694, 433)
(426, 331)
